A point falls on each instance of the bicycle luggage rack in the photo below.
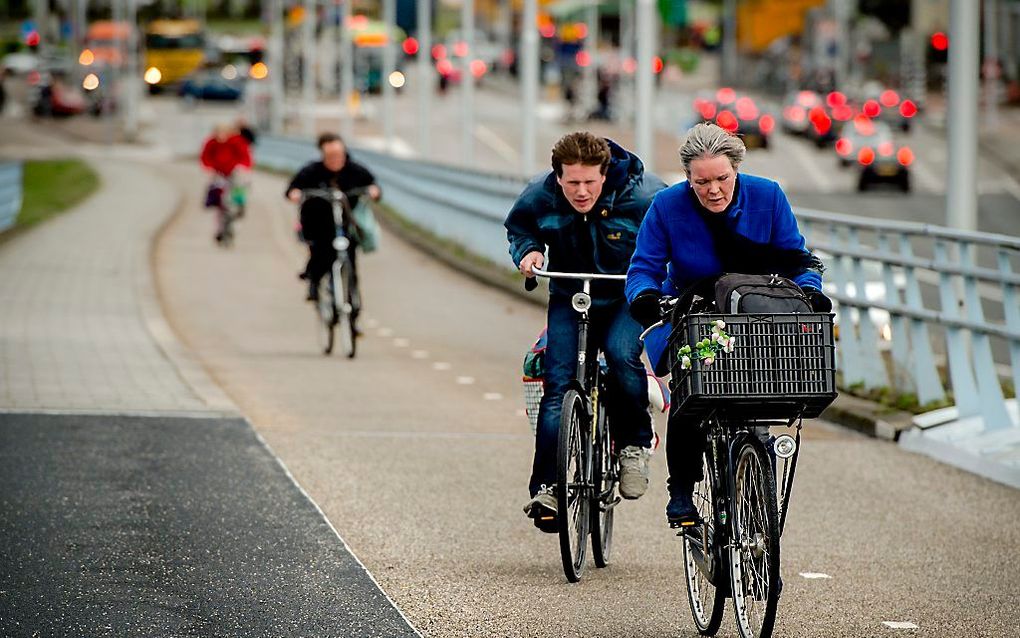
(782, 367)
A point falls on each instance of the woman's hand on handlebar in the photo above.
(374, 192)
(294, 195)
(646, 309)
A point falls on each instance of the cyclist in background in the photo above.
(715, 222)
(334, 170)
(587, 211)
(227, 156)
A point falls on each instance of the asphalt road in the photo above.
(419, 453)
(163, 526)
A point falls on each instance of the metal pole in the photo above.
(42, 18)
(643, 121)
(308, 69)
(347, 73)
(962, 116)
(467, 27)
(591, 45)
(729, 53)
(990, 67)
(841, 13)
(529, 85)
(389, 66)
(277, 103)
(425, 78)
(131, 77)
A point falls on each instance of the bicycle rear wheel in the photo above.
(573, 478)
(345, 317)
(605, 475)
(702, 568)
(754, 551)
(326, 315)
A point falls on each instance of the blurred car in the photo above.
(54, 98)
(20, 63)
(738, 114)
(872, 146)
(796, 107)
(106, 41)
(213, 84)
(888, 106)
(825, 118)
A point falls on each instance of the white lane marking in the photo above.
(401, 342)
(465, 380)
(810, 163)
(420, 354)
(441, 365)
(385, 332)
(492, 396)
(496, 143)
(897, 624)
(814, 575)
(372, 323)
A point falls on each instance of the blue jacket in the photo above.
(600, 241)
(675, 247)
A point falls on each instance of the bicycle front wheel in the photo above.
(754, 550)
(573, 480)
(606, 472)
(345, 318)
(702, 568)
(326, 315)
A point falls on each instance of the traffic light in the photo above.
(938, 48)
(256, 55)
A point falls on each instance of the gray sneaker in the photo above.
(542, 504)
(634, 471)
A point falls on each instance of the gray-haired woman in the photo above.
(717, 221)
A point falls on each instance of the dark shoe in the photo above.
(303, 275)
(680, 511)
(542, 509)
(313, 291)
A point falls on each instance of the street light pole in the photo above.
(961, 116)
(991, 64)
(347, 72)
(591, 45)
(424, 78)
(643, 121)
(276, 63)
(729, 53)
(467, 27)
(389, 66)
(308, 69)
(529, 85)
(131, 84)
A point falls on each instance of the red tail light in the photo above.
(707, 110)
(478, 68)
(905, 156)
(460, 49)
(583, 59)
(439, 51)
(844, 146)
(885, 149)
(842, 113)
(445, 67)
(410, 46)
(820, 120)
(766, 124)
(889, 98)
(908, 109)
(727, 120)
(871, 108)
(725, 95)
(835, 99)
(657, 65)
(794, 113)
(866, 156)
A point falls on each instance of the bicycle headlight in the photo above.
(785, 446)
(341, 243)
(581, 301)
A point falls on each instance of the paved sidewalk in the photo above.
(78, 318)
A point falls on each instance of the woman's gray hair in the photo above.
(707, 140)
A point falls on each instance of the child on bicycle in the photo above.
(224, 154)
(586, 213)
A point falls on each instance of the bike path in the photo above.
(168, 526)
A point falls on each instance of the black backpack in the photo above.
(759, 294)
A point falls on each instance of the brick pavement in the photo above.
(79, 325)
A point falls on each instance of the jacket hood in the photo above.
(623, 167)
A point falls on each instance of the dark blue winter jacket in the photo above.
(601, 240)
(676, 248)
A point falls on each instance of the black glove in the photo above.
(645, 308)
(819, 302)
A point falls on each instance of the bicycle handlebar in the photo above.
(665, 306)
(580, 276)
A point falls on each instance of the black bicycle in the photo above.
(587, 464)
(229, 207)
(339, 298)
(780, 370)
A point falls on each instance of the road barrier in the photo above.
(912, 299)
(10, 193)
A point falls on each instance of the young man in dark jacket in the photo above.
(334, 170)
(586, 213)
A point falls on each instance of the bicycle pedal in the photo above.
(683, 525)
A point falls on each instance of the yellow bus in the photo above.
(173, 49)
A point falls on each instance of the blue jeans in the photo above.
(616, 333)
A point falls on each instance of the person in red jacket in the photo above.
(225, 154)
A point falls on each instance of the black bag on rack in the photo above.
(759, 294)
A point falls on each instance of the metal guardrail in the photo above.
(941, 295)
(11, 174)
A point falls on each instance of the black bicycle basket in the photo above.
(782, 366)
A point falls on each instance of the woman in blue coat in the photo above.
(717, 221)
